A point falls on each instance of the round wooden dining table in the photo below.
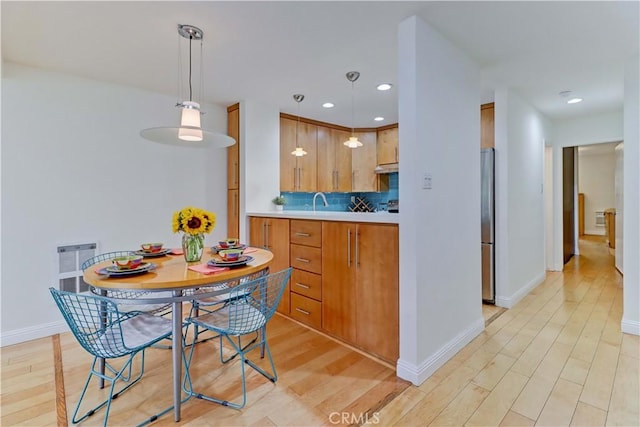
(172, 273)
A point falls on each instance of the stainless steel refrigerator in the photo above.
(487, 207)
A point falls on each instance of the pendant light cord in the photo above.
(353, 130)
(190, 86)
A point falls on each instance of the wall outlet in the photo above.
(426, 181)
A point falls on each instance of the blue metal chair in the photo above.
(250, 306)
(213, 303)
(106, 333)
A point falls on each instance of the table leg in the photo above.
(103, 317)
(176, 353)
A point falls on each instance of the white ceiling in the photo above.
(267, 51)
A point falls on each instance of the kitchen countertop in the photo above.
(379, 217)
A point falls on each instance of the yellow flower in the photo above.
(193, 221)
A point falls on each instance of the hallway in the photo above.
(557, 358)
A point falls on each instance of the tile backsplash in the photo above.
(339, 202)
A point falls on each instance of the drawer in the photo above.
(306, 310)
(307, 233)
(307, 284)
(306, 258)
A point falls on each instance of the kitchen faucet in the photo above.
(324, 200)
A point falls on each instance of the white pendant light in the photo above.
(352, 142)
(299, 151)
(189, 132)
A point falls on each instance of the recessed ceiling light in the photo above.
(378, 119)
(384, 86)
(328, 105)
(574, 100)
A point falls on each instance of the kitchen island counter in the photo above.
(373, 217)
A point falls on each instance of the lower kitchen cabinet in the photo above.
(273, 234)
(360, 285)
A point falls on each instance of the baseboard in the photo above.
(509, 302)
(33, 332)
(630, 327)
(418, 374)
(596, 232)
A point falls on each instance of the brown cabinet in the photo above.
(233, 172)
(233, 213)
(387, 145)
(306, 278)
(610, 223)
(297, 173)
(360, 285)
(308, 233)
(334, 160)
(273, 234)
(487, 129)
(363, 163)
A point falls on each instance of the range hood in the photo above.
(388, 168)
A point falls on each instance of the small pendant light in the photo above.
(190, 132)
(299, 151)
(352, 142)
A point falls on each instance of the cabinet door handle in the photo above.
(303, 260)
(337, 180)
(235, 172)
(305, 312)
(303, 234)
(267, 239)
(303, 286)
(235, 204)
(357, 244)
(395, 153)
(264, 235)
(349, 248)
(299, 178)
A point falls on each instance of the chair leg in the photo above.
(223, 360)
(239, 350)
(118, 375)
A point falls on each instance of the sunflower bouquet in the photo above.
(193, 222)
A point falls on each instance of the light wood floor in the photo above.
(557, 358)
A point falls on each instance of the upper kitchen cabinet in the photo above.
(233, 172)
(297, 173)
(334, 160)
(487, 129)
(363, 163)
(388, 145)
(233, 152)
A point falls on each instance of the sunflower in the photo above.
(192, 220)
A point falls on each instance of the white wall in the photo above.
(74, 170)
(592, 129)
(631, 212)
(521, 132)
(440, 272)
(596, 179)
(260, 159)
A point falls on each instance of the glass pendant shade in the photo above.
(190, 129)
(353, 142)
(299, 151)
(189, 132)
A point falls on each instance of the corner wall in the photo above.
(521, 132)
(76, 170)
(440, 272)
(631, 210)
